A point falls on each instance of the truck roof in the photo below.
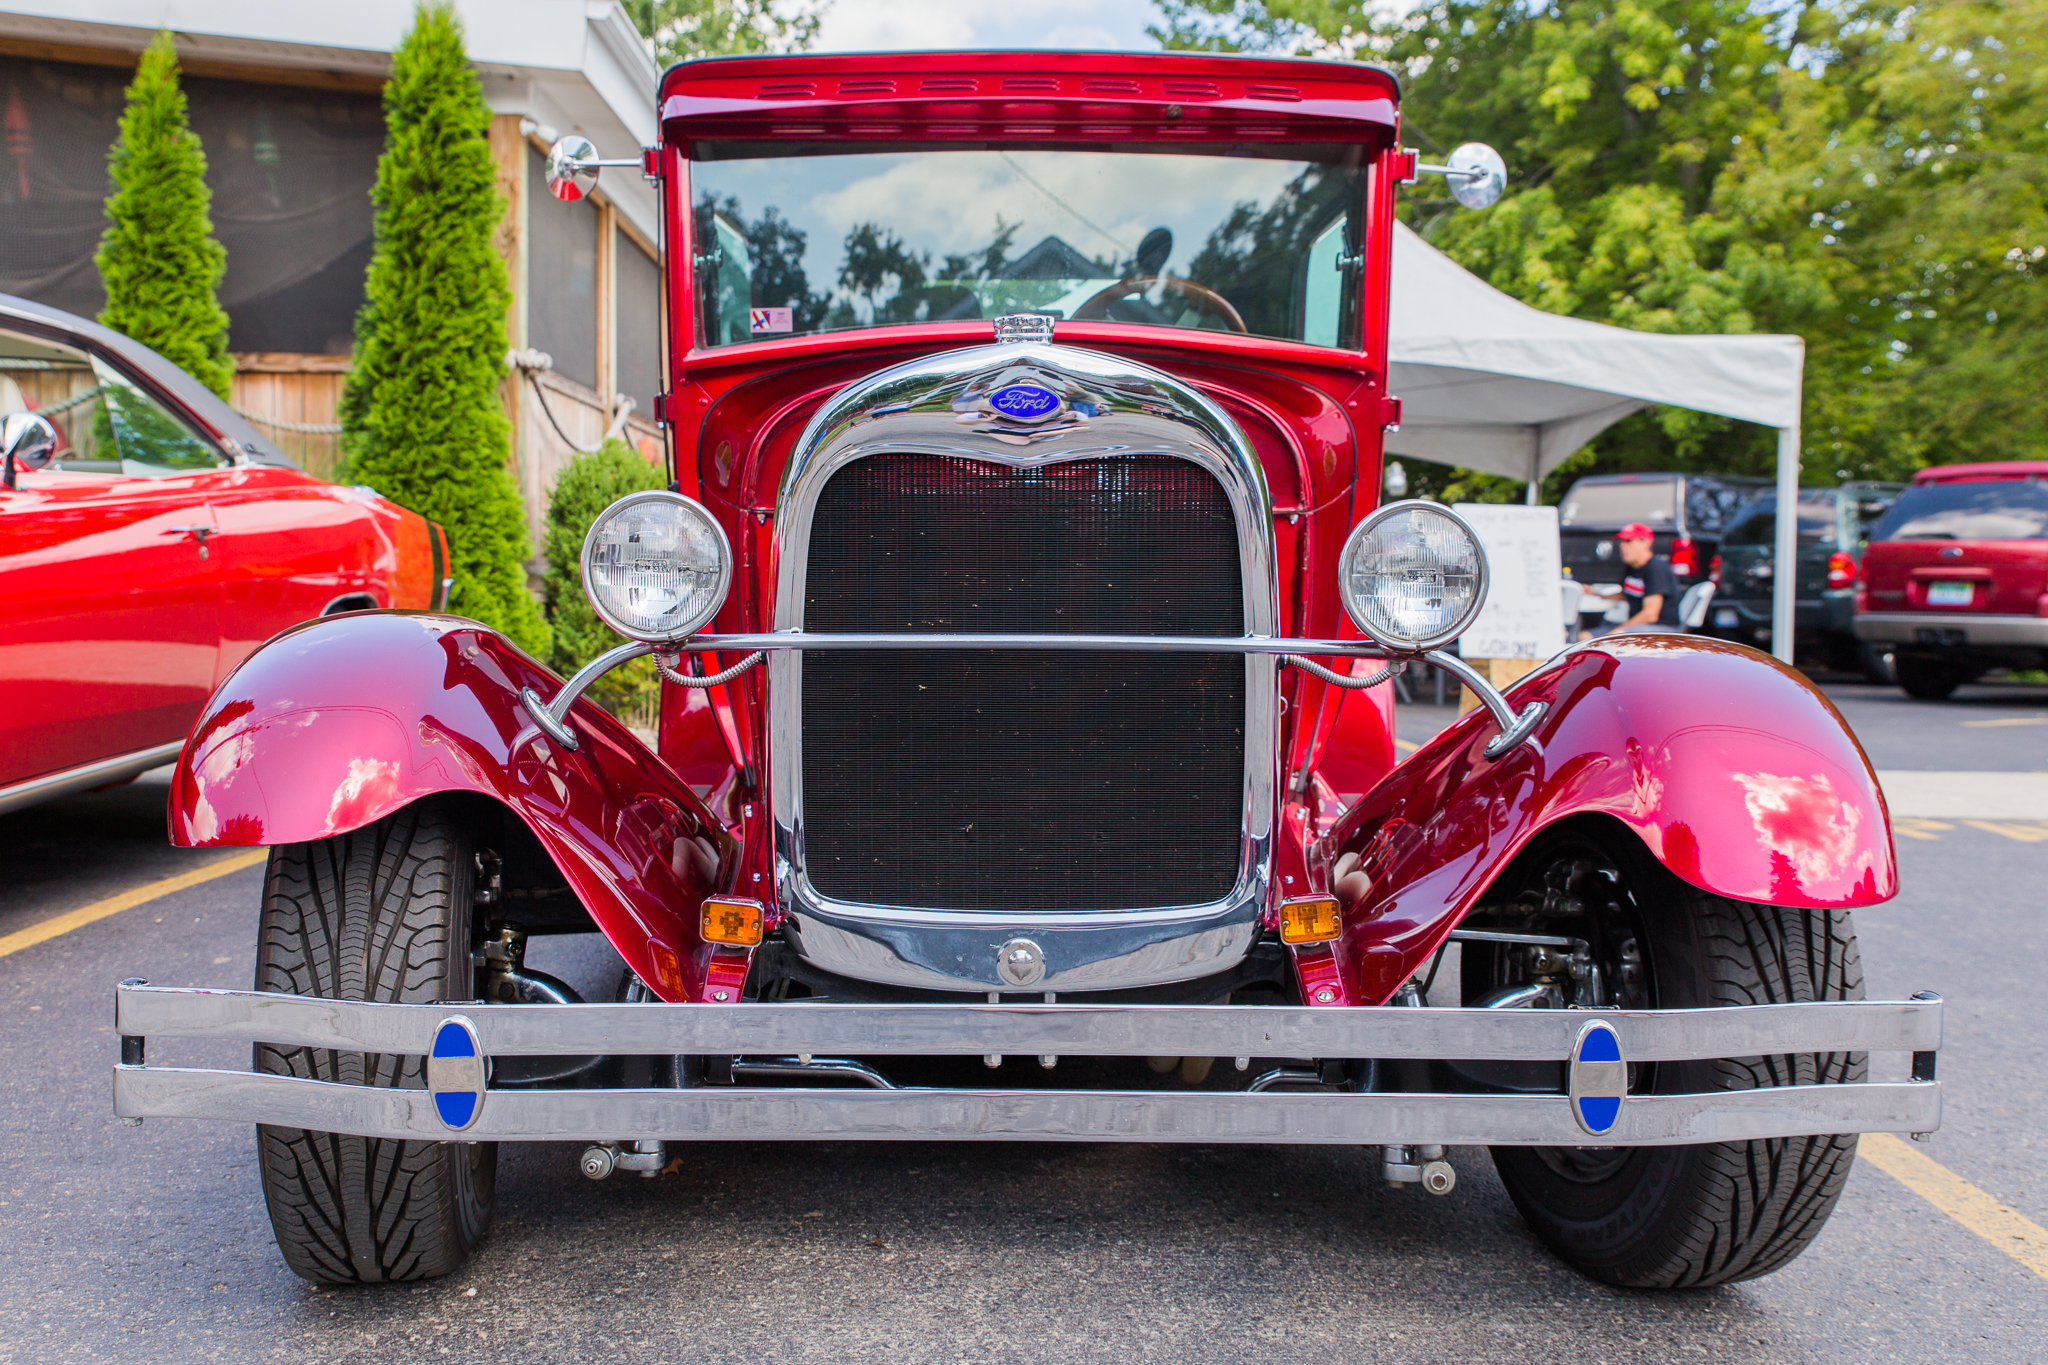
(1979, 473)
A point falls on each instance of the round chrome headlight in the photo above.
(656, 566)
(1412, 576)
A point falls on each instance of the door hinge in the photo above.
(1390, 412)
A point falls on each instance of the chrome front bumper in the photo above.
(759, 1113)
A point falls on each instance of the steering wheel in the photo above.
(1096, 309)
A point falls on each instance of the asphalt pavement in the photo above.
(151, 1243)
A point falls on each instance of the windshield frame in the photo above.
(1356, 320)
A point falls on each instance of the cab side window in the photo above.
(147, 439)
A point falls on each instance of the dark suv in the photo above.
(1834, 523)
(1687, 512)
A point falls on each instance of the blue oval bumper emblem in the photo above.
(1599, 1078)
(455, 1073)
(1025, 402)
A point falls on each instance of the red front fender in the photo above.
(342, 721)
(1734, 771)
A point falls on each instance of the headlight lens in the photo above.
(656, 566)
(1412, 576)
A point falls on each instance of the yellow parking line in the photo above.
(2008, 720)
(1915, 828)
(2026, 834)
(1405, 747)
(2012, 1233)
(113, 905)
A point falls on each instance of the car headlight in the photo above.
(656, 566)
(1412, 576)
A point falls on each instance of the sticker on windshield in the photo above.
(771, 320)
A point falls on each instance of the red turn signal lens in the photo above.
(1841, 569)
(1714, 571)
(1309, 921)
(732, 921)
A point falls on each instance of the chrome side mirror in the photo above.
(573, 164)
(572, 168)
(28, 440)
(1477, 175)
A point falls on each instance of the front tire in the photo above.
(382, 914)
(1689, 1217)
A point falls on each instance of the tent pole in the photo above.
(1535, 493)
(1785, 570)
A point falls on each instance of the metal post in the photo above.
(1785, 569)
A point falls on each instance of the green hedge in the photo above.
(587, 485)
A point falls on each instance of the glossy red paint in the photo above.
(131, 590)
(1734, 771)
(340, 722)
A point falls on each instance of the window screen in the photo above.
(561, 274)
(290, 170)
(638, 282)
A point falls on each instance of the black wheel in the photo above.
(1876, 663)
(380, 914)
(1677, 1217)
(1925, 677)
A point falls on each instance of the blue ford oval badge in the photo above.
(1599, 1078)
(455, 1073)
(1025, 402)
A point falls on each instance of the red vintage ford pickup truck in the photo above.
(1026, 767)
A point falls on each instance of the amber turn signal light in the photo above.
(732, 921)
(1308, 921)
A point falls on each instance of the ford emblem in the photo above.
(1025, 402)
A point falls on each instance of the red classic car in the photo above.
(1956, 576)
(149, 539)
(1026, 767)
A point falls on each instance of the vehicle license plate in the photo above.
(1949, 594)
(1726, 618)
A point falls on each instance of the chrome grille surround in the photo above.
(1109, 407)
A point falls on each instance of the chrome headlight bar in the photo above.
(551, 717)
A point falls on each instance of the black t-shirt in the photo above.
(1653, 579)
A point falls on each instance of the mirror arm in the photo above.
(1514, 729)
(1447, 171)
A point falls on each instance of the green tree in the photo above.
(158, 257)
(421, 416)
(680, 29)
(586, 486)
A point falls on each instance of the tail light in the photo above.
(1714, 571)
(1841, 569)
(1685, 556)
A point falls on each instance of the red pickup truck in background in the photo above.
(1956, 577)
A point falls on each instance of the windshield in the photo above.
(1617, 504)
(2003, 510)
(1257, 239)
(1759, 525)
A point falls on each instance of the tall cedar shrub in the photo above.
(587, 485)
(158, 257)
(421, 417)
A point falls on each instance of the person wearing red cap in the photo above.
(1650, 589)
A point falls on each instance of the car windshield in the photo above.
(1758, 527)
(1257, 239)
(2009, 509)
(1617, 504)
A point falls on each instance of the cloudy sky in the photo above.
(855, 25)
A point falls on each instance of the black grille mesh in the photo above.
(1008, 779)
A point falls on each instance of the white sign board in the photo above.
(1520, 619)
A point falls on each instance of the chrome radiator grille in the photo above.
(1007, 779)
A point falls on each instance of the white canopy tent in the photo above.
(1489, 383)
